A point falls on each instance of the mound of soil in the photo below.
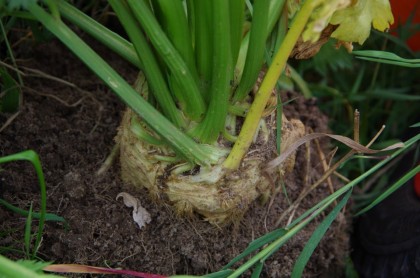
(73, 129)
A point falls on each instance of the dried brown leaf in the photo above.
(345, 140)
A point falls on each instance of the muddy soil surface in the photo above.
(72, 128)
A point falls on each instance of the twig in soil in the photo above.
(330, 171)
(41, 74)
(340, 176)
(65, 103)
(308, 163)
(12, 68)
(304, 193)
(9, 121)
(109, 160)
(325, 166)
(356, 128)
(367, 186)
(77, 103)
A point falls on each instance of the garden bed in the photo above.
(73, 130)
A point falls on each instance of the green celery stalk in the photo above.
(171, 16)
(256, 49)
(195, 106)
(162, 126)
(208, 130)
(203, 46)
(154, 76)
(110, 39)
(237, 17)
(175, 25)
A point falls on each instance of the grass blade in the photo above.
(27, 235)
(36, 215)
(386, 58)
(316, 237)
(33, 157)
(256, 244)
(390, 190)
(79, 269)
(274, 246)
(10, 97)
(257, 270)
(9, 268)
(357, 180)
(219, 274)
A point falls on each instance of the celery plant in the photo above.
(200, 67)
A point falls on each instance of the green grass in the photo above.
(32, 249)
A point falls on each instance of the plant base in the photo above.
(223, 200)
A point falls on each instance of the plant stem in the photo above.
(254, 115)
(162, 126)
(195, 106)
(203, 46)
(172, 18)
(208, 130)
(237, 17)
(110, 39)
(256, 49)
(155, 78)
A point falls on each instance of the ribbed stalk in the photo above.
(237, 17)
(195, 106)
(155, 79)
(172, 18)
(203, 45)
(110, 39)
(222, 73)
(174, 22)
(256, 49)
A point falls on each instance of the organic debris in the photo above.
(140, 215)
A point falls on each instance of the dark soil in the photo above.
(73, 132)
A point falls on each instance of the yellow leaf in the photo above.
(321, 16)
(356, 20)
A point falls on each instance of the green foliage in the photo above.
(23, 268)
(316, 237)
(386, 58)
(17, 4)
(10, 94)
(385, 94)
(35, 215)
(406, 177)
(32, 157)
(36, 266)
